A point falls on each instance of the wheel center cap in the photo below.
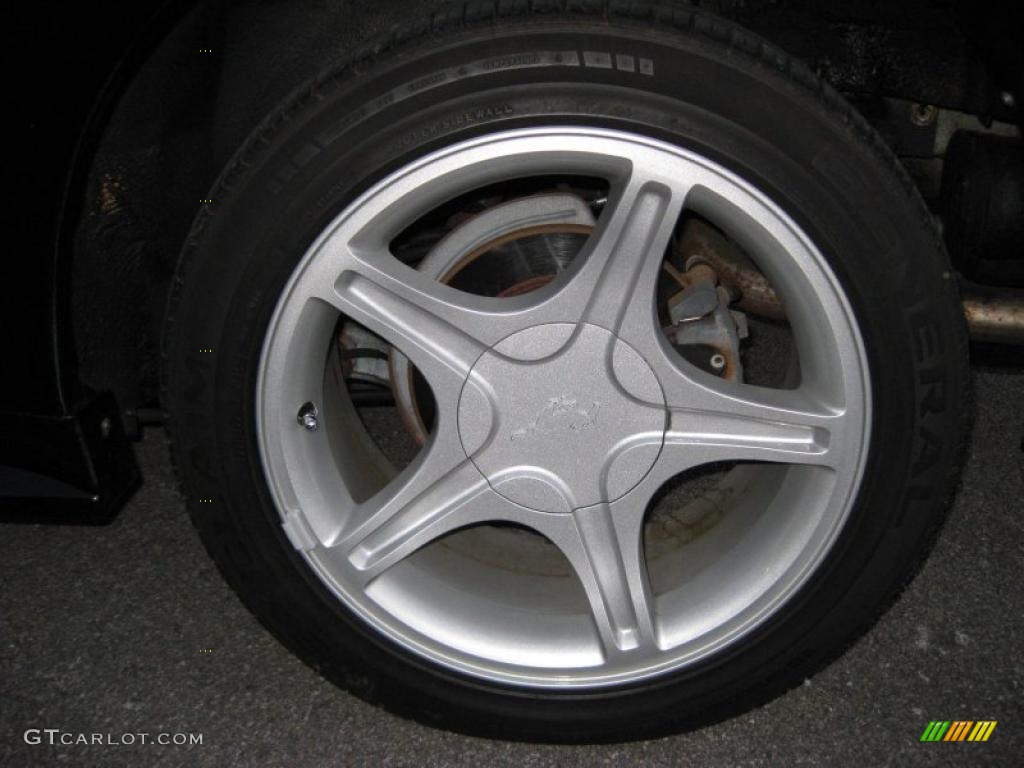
(562, 416)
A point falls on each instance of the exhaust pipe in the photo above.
(995, 316)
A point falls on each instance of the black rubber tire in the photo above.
(698, 82)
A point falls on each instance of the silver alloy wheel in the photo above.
(563, 410)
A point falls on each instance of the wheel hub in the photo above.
(559, 416)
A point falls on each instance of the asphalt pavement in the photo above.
(128, 629)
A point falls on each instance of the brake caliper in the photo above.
(704, 330)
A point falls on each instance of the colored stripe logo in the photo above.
(958, 730)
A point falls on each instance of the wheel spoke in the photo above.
(618, 277)
(604, 545)
(741, 422)
(421, 317)
(412, 512)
